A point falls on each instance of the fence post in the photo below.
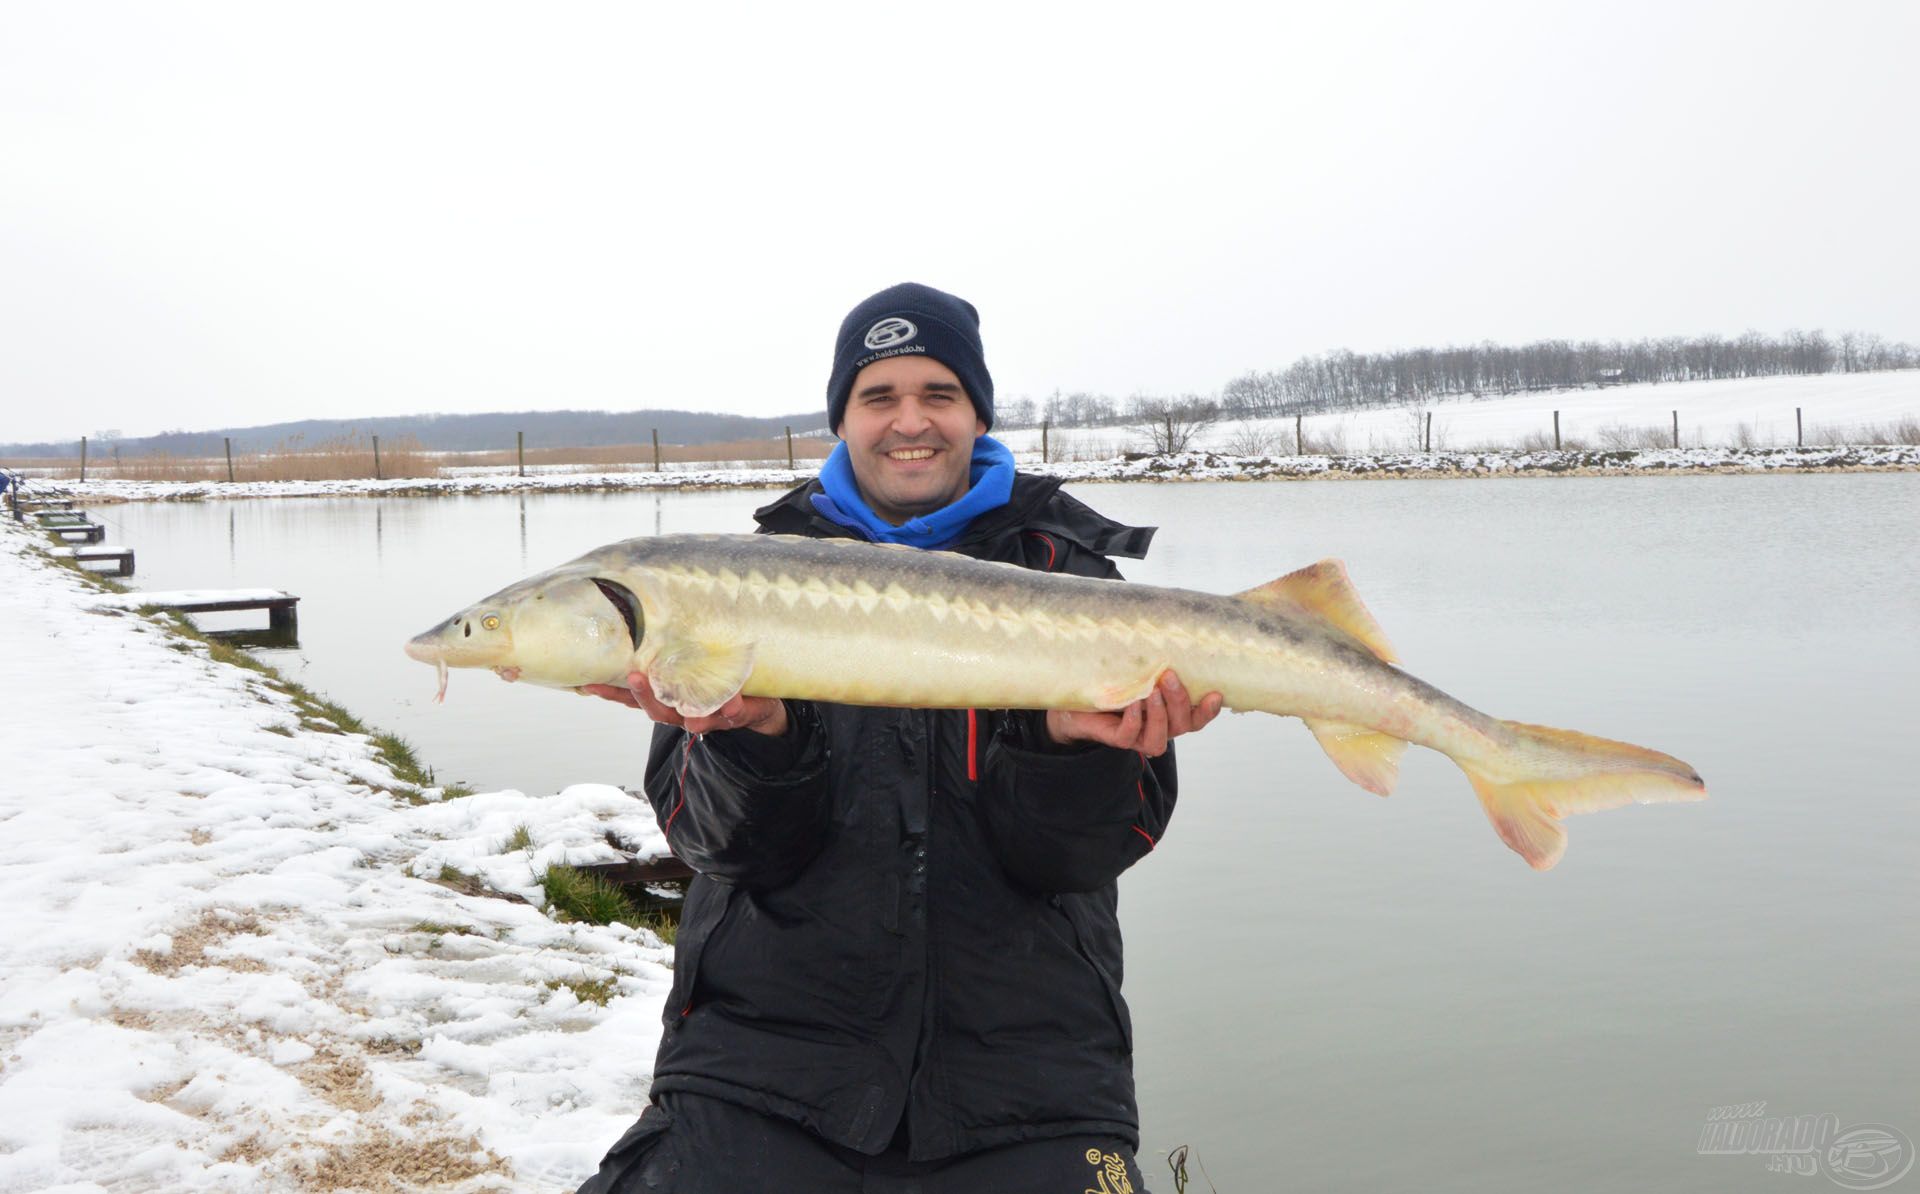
(1046, 425)
(1676, 428)
(1556, 431)
(1799, 433)
(228, 441)
(376, 459)
(789, 449)
(1429, 441)
(83, 460)
(520, 450)
(656, 449)
(1299, 438)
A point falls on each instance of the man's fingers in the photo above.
(1153, 731)
(1208, 709)
(1179, 710)
(649, 704)
(609, 692)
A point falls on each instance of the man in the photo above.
(899, 963)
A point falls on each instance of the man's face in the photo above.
(909, 428)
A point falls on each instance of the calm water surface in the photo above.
(1332, 991)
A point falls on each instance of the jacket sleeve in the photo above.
(742, 807)
(1071, 818)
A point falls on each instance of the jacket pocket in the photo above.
(1083, 942)
(706, 908)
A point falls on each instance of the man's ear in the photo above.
(979, 427)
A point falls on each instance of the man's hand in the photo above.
(1146, 725)
(762, 715)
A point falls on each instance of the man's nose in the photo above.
(910, 417)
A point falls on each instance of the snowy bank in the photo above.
(226, 964)
(1193, 465)
(1196, 466)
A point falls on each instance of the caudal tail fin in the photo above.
(1549, 774)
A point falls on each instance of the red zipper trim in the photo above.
(973, 745)
(686, 756)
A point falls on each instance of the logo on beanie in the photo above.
(889, 332)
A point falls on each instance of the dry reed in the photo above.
(617, 457)
(341, 458)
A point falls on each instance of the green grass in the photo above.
(587, 990)
(520, 839)
(441, 929)
(579, 896)
(663, 922)
(316, 712)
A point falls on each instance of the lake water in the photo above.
(1334, 991)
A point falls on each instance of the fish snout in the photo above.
(427, 648)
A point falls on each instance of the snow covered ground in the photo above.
(1748, 412)
(225, 964)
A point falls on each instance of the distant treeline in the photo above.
(456, 433)
(1343, 380)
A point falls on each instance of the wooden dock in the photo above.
(283, 618)
(120, 557)
(635, 872)
(89, 532)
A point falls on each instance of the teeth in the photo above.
(911, 453)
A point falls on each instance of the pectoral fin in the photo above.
(697, 675)
(1367, 757)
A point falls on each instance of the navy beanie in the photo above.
(906, 319)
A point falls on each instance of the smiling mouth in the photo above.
(910, 454)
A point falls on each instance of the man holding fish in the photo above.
(899, 964)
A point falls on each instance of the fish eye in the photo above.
(491, 622)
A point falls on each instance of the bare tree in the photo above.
(1169, 424)
(1251, 438)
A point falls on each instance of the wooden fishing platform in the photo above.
(120, 557)
(89, 532)
(283, 618)
(38, 504)
(49, 518)
(635, 872)
(636, 875)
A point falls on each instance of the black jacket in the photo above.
(905, 918)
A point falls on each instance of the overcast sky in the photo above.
(228, 214)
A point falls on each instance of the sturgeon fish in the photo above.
(708, 616)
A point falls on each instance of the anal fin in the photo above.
(1367, 757)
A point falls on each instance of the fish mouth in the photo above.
(427, 648)
(622, 599)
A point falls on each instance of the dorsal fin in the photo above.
(1323, 589)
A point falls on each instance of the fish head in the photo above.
(558, 630)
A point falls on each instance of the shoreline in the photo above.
(246, 944)
(1188, 466)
